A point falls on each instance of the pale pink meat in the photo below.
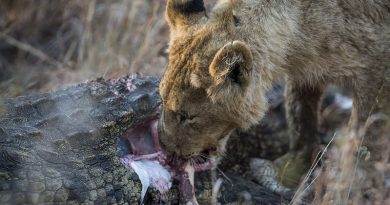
(146, 148)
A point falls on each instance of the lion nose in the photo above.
(178, 151)
(171, 147)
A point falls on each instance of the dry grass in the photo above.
(339, 179)
(45, 44)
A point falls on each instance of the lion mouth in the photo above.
(140, 151)
(203, 161)
(200, 162)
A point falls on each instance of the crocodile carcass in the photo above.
(66, 146)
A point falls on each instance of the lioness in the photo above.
(222, 63)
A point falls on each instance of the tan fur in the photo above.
(305, 42)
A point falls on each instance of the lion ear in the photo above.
(230, 71)
(181, 13)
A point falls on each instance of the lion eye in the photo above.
(183, 116)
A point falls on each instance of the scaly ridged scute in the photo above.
(61, 147)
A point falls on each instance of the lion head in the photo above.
(209, 86)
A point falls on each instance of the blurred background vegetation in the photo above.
(47, 44)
